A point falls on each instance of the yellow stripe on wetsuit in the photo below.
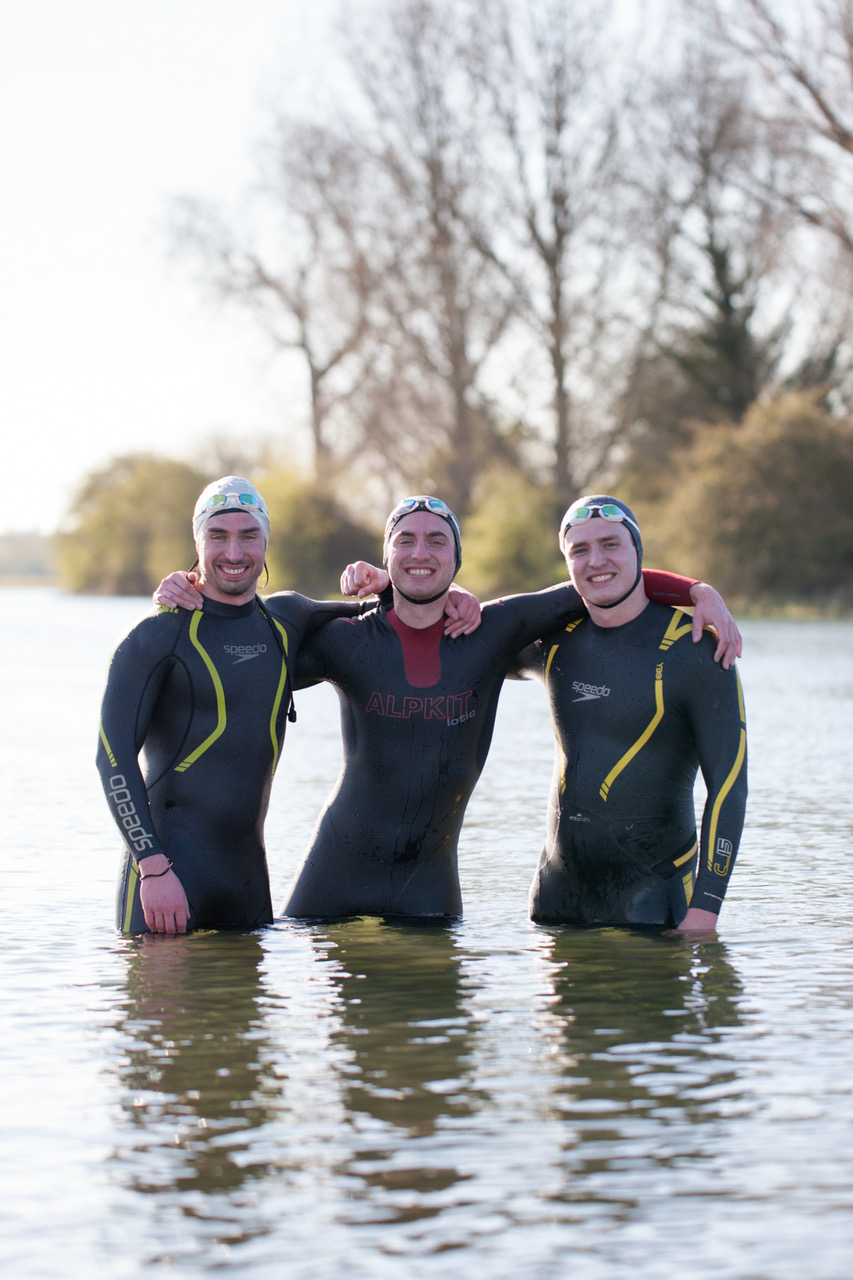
(729, 782)
(278, 693)
(643, 738)
(551, 655)
(674, 631)
(107, 747)
(220, 696)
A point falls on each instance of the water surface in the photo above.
(370, 1099)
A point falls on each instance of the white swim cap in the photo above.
(231, 493)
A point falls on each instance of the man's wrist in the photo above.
(152, 864)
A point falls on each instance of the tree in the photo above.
(510, 537)
(804, 56)
(547, 68)
(312, 536)
(762, 509)
(129, 524)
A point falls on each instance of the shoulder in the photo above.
(154, 637)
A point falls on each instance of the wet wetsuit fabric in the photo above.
(417, 714)
(637, 709)
(205, 697)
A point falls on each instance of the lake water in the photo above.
(492, 1099)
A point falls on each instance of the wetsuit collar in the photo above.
(219, 609)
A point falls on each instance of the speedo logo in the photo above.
(243, 652)
(138, 837)
(586, 692)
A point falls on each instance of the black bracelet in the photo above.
(155, 875)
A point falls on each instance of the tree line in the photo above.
(522, 251)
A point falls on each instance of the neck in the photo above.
(419, 616)
(211, 593)
(628, 609)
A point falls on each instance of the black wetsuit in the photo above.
(417, 713)
(636, 710)
(205, 697)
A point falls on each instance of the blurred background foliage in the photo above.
(527, 251)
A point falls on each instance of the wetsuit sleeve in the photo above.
(314, 614)
(137, 671)
(719, 727)
(529, 664)
(668, 588)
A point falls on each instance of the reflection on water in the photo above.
(377, 1099)
(406, 1042)
(636, 1023)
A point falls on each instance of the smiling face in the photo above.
(421, 556)
(231, 553)
(602, 560)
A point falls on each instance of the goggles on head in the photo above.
(233, 499)
(408, 505)
(582, 513)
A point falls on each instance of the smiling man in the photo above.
(417, 714)
(637, 709)
(204, 696)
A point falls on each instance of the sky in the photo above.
(109, 111)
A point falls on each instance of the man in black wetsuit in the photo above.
(205, 697)
(637, 710)
(417, 713)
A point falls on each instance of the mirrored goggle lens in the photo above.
(608, 510)
(420, 504)
(245, 499)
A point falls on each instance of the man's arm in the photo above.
(462, 612)
(716, 710)
(134, 681)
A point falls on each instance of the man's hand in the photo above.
(698, 921)
(178, 591)
(711, 612)
(462, 613)
(162, 896)
(362, 579)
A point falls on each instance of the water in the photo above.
(493, 1099)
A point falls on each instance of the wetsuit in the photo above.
(636, 710)
(417, 713)
(205, 697)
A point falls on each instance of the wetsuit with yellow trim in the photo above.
(637, 710)
(417, 714)
(204, 697)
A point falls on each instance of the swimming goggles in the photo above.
(607, 511)
(227, 499)
(421, 503)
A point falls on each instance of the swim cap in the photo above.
(601, 506)
(435, 507)
(231, 493)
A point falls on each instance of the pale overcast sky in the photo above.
(109, 109)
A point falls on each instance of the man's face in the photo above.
(422, 555)
(231, 557)
(602, 560)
